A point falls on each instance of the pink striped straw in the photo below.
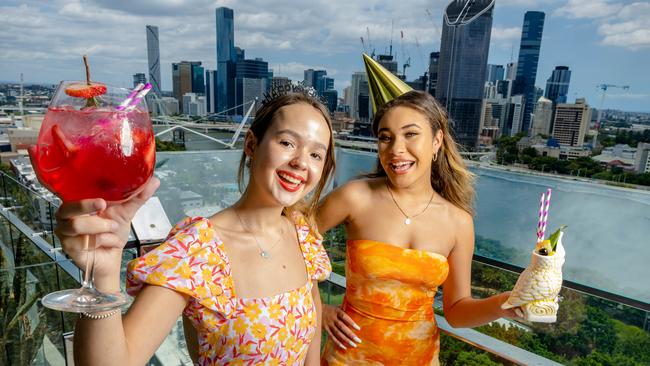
(130, 97)
(540, 236)
(548, 204)
(141, 94)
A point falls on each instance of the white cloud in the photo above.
(630, 28)
(588, 9)
(620, 25)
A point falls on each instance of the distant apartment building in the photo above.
(194, 105)
(251, 82)
(542, 117)
(187, 77)
(139, 78)
(642, 158)
(571, 122)
(557, 85)
(21, 138)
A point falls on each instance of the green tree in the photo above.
(21, 335)
(167, 146)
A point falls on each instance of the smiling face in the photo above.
(288, 162)
(406, 146)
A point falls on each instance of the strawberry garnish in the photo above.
(84, 90)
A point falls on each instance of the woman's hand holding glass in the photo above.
(109, 226)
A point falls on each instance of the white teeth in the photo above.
(402, 165)
(290, 179)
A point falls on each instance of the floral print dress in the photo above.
(274, 330)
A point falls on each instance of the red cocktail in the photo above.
(94, 152)
(93, 144)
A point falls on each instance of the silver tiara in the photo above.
(300, 88)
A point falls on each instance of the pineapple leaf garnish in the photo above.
(556, 236)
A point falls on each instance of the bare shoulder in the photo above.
(461, 220)
(357, 190)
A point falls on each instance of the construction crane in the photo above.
(604, 88)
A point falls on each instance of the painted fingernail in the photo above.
(352, 344)
(357, 339)
(356, 327)
(342, 346)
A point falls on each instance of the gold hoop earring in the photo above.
(435, 156)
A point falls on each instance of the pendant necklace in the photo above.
(407, 220)
(264, 254)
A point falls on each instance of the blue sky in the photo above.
(601, 41)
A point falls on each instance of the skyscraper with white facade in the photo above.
(153, 56)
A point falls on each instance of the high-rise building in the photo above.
(511, 71)
(183, 77)
(331, 96)
(358, 78)
(211, 91)
(139, 78)
(464, 50)
(541, 124)
(531, 41)
(251, 82)
(198, 79)
(495, 72)
(570, 122)
(389, 63)
(434, 58)
(153, 56)
(642, 158)
(318, 80)
(280, 82)
(557, 85)
(514, 115)
(226, 59)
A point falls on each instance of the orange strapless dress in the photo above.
(389, 294)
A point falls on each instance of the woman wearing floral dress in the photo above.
(245, 277)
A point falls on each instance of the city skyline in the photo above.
(601, 41)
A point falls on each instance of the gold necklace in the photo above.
(263, 253)
(407, 220)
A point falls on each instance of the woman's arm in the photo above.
(461, 310)
(133, 338)
(313, 352)
(336, 207)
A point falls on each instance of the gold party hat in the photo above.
(384, 85)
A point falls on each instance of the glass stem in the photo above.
(90, 263)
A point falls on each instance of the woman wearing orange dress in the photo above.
(410, 230)
(245, 277)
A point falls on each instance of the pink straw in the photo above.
(548, 204)
(141, 94)
(130, 97)
(540, 236)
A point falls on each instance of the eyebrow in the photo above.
(297, 136)
(403, 127)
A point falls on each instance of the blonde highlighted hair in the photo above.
(449, 174)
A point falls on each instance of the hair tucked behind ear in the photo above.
(449, 174)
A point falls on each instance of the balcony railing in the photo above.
(590, 320)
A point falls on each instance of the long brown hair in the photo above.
(264, 119)
(449, 174)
